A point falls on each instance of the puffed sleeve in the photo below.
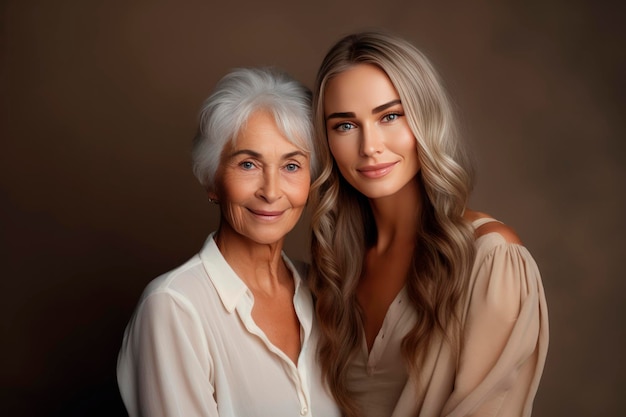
(504, 336)
(164, 368)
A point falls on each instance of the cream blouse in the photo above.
(192, 349)
(504, 345)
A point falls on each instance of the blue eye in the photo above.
(292, 167)
(344, 127)
(391, 117)
(247, 165)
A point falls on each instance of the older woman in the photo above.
(231, 332)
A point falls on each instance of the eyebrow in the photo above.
(385, 106)
(347, 115)
(259, 156)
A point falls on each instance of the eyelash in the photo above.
(397, 115)
(341, 127)
(247, 165)
(289, 167)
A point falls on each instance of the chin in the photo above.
(268, 238)
(378, 193)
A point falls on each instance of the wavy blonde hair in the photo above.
(343, 226)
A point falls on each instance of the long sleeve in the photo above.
(164, 368)
(504, 335)
(192, 349)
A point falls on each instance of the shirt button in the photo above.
(304, 411)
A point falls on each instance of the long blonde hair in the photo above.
(342, 221)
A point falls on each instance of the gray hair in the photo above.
(235, 98)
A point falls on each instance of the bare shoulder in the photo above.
(507, 232)
(503, 230)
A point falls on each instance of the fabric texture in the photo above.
(193, 349)
(504, 342)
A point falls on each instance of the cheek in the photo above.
(299, 190)
(233, 215)
(405, 142)
(235, 192)
(235, 187)
(342, 151)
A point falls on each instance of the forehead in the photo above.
(364, 85)
(261, 132)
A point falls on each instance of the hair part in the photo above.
(343, 226)
(236, 97)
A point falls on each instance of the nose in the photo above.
(269, 188)
(371, 141)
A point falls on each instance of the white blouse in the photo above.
(504, 342)
(193, 349)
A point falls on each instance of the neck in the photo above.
(259, 265)
(397, 217)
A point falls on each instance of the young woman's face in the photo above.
(368, 133)
(263, 182)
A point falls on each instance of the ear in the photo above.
(212, 196)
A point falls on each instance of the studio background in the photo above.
(98, 108)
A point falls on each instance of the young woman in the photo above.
(231, 332)
(426, 308)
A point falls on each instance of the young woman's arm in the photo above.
(505, 331)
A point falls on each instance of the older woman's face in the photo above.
(263, 182)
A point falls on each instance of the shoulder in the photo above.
(172, 305)
(504, 272)
(485, 224)
(501, 260)
(177, 289)
(178, 279)
(506, 232)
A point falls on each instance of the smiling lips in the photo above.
(376, 171)
(266, 215)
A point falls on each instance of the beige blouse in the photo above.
(503, 351)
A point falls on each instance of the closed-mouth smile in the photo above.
(376, 171)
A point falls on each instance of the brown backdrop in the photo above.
(99, 103)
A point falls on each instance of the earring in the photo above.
(212, 200)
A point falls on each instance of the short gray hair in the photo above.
(238, 95)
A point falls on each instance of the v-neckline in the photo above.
(380, 342)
